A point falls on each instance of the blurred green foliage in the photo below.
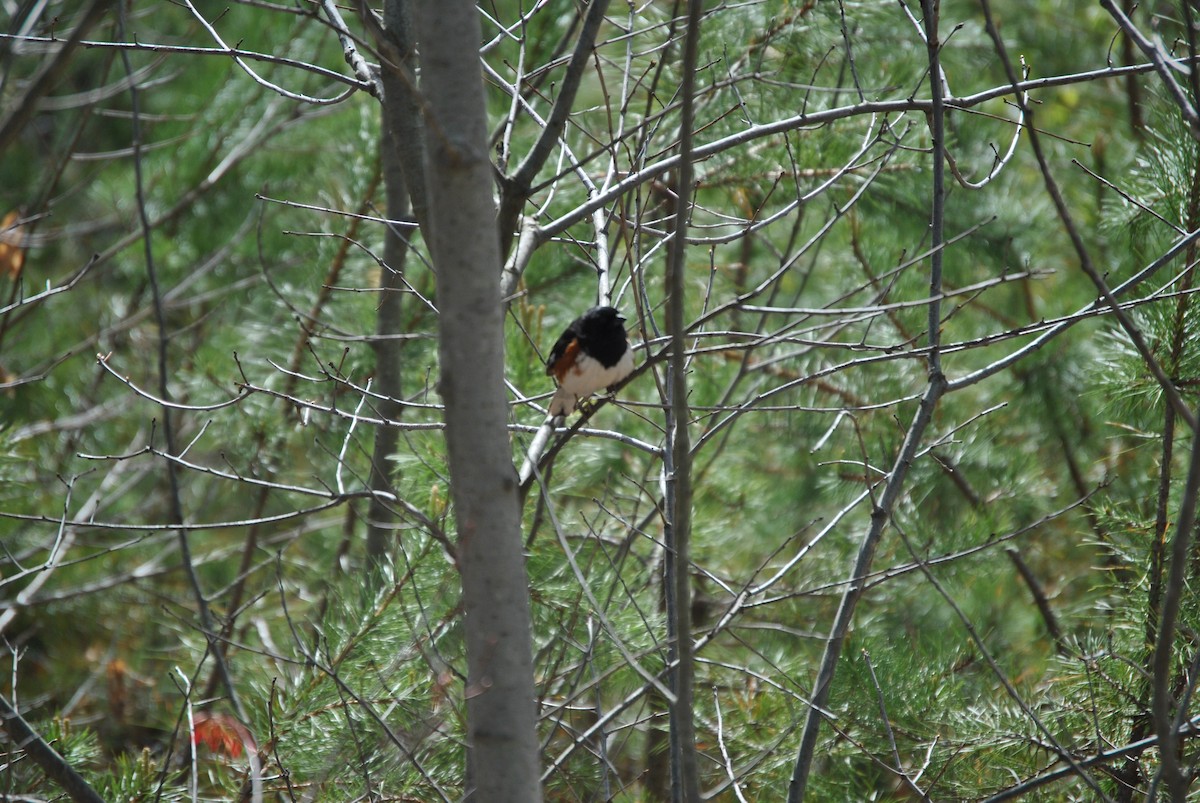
(801, 393)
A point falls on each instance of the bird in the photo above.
(593, 352)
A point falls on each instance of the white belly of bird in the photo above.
(586, 377)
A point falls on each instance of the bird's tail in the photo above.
(562, 403)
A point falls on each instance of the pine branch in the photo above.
(54, 765)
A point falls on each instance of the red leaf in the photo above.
(223, 734)
(12, 245)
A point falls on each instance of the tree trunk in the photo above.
(381, 516)
(502, 760)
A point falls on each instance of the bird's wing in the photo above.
(562, 356)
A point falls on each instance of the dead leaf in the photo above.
(12, 245)
(223, 734)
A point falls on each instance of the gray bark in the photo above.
(381, 516)
(403, 153)
(685, 783)
(402, 112)
(502, 759)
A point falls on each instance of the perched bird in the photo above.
(592, 353)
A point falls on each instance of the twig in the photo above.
(255, 76)
(1164, 649)
(161, 400)
(1159, 59)
(728, 762)
(63, 540)
(891, 735)
(341, 458)
(175, 498)
(53, 291)
(362, 71)
(186, 50)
